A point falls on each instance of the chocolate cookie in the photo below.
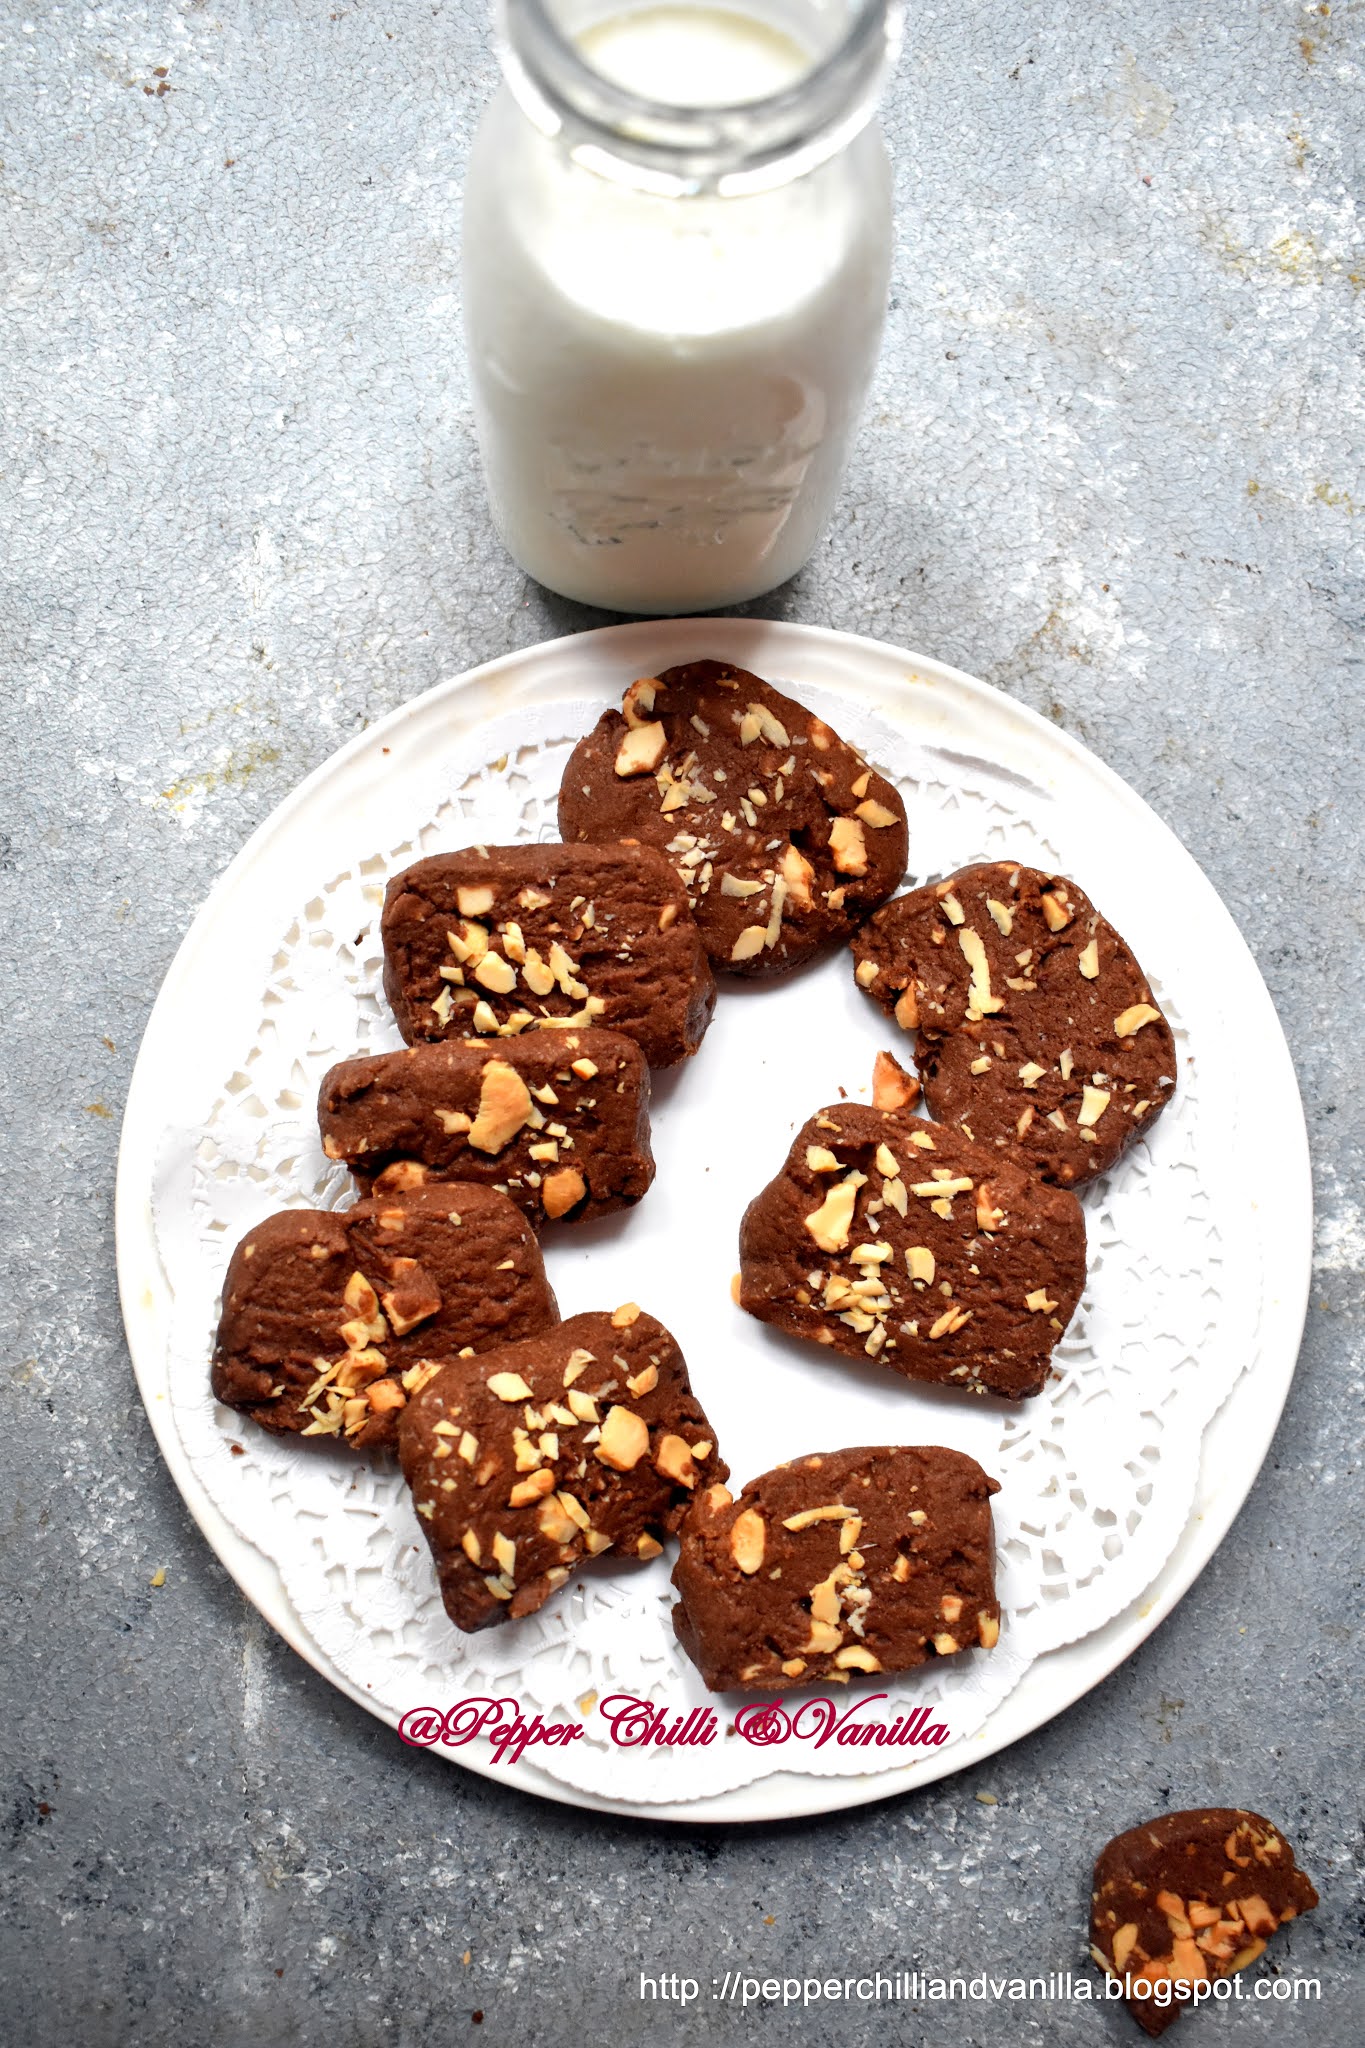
(1037, 1028)
(890, 1238)
(1188, 1898)
(558, 1120)
(522, 1463)
(496, 940)
(783, 836)
(332, 1319)
(863, 1560)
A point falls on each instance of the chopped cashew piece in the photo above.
(469, 943)
(624, 1439)
(848, 846)
(855, 1658)
(638, 702)
(495, 974)
(562, 1191)
(383, 1395)
(554, 1524)
(1094, 1103)
(979, 995)
(771, 727)
(412, 1298)
(528, 1491)
(674, 1459)
(641, 750)
(748, 1535)
(1129, 1022)
(832, 1222)
(750, 941)
(504, 1106)
(892, 1087)
(774, 926)
(509, 1386)
(798, 874)
(835, 1512)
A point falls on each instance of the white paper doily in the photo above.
(1100, 1475)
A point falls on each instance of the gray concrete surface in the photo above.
(1112, 465)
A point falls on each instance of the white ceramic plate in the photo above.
(1199, 1271)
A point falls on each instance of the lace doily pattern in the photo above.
(1097, 1474)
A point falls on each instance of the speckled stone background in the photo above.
(1112, 464)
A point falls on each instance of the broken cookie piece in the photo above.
(557, 1120)
(1038, 1031)
(497, 940)
(889, 1238)
(530, 1459)
(333, 1319)
(850, 1561)
(782, 834)
(1188, 1898)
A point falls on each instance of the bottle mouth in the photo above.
(676, 149)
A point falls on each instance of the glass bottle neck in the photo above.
(809, 76)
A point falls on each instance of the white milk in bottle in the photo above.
(676, 246)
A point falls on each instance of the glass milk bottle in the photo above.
(677, 238)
